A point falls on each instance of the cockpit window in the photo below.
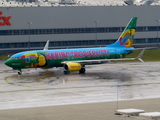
(15, 58)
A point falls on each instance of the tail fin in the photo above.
(127, 36)
(46, 46)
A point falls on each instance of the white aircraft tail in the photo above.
(46, 46)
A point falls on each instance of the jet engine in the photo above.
(72, 66)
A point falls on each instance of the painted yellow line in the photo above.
(7, 80)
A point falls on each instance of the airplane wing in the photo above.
(147, 48)
(107, 60)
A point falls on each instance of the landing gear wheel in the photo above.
(66, 72)
(19, 73)
(82, 71)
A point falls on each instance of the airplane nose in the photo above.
(8, 63)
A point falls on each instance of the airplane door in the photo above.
(117, 53)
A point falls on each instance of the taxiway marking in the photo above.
(7, 80)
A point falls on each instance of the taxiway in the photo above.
(101, 83)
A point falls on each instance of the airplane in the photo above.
(76, 59)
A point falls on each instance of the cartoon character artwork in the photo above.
(126, 38)
(33, 60)
(41, 60)
(129, 42)
(29, 60)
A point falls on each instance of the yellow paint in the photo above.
(28, 54)
(42, 60)
(7, 80)
(129, 42)
(133, 31)
(74, 66)
(127, 31)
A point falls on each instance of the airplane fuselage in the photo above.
(54, 58)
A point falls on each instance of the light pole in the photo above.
(96, 30)
(157, 31)
(29, 23)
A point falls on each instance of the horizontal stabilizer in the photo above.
(139, 57)
(147, 48)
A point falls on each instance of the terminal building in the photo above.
(71, 24)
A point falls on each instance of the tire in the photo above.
(19, 72)
(82, 71)
(66, 72)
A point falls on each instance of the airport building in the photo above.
(28, 25)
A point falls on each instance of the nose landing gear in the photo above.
(19, 73)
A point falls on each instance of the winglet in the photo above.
(46, 46)
(139, 57)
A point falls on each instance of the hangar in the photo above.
(29, 25)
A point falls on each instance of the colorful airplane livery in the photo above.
(76, 59)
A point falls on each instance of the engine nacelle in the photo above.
(72, 66)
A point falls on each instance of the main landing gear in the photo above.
(82, 71)
(66, 72)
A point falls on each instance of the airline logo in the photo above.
(4, 20)
(76, 54)
(75, 67)
(127, 37)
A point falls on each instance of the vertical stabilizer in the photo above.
(127, 36)
(46, 46)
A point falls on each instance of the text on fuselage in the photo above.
(77, 54)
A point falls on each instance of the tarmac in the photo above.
(91, 111)
(50, 95)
